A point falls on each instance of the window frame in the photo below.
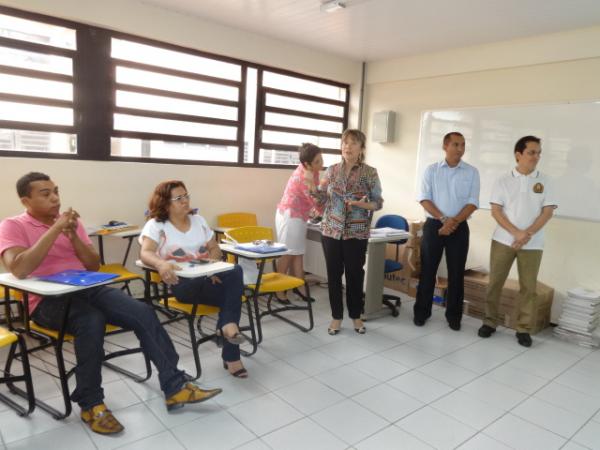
(95, 89)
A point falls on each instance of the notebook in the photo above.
(78, 277)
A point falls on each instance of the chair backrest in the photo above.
(238, 219)
(393, 221)
(249, 234)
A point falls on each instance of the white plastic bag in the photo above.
(250, 270)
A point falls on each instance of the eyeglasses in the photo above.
(180, 198)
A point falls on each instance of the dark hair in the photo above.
(158, 208)
(522, 143)
(24, 183)
(448, 136)
(307, 153)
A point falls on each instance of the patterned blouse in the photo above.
(296, 197)
(339, 221)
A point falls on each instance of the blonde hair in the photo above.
(358, 136)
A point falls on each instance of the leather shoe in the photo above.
(454, 325)
(524, 339)
(485, 331)
(418, 322)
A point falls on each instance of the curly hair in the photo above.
(158, 208)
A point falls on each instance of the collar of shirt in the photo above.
(444, 163)
(33, 221)
(517, 174)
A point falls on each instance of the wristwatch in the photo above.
(443, 219)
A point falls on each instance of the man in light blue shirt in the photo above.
(449, 194)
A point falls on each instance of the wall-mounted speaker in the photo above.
(383, 126)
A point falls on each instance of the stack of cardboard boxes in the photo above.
(409, 255)
(476, 283)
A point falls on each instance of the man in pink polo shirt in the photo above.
(42, 241)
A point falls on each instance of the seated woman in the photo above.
(175, 235)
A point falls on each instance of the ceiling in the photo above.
(370, 30)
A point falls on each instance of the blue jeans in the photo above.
(90, 311)
(226, 295)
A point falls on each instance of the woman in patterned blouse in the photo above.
(351, 191)
(294, 210)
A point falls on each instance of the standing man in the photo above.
(522, 203)
(449, 194)
(42, 241)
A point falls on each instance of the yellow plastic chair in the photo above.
(12, 297)
(193, 314)
(235, 220)
(16, 342)
(56, 338)
(270, 283)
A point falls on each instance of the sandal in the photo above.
(283, 301)
(101, 420)
(237, 339)
(240, 373)
(333, 331)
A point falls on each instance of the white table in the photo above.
(130, 235)
(43, 288)
(374, 265)
(194, 270)
(47, 288)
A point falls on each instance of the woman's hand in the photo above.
(166, 270)
(362, 203)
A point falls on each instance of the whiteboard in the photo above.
(570, 134)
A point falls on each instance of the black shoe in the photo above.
(454, 325)
(418, 322)
(524, 339)
(486, 331)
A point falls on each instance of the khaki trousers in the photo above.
(528, 265)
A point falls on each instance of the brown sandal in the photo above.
(240, 373)
(101, 420)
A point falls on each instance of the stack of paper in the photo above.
(387, 231)
(580, 317)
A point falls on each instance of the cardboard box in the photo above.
(476, 283)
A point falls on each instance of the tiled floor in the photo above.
(397, 387)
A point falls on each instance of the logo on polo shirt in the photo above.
(538, 188)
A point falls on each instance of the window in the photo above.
(36, 86)
(174, 105)
(294, 110)
(73, 90)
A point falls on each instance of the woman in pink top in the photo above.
(294, 210)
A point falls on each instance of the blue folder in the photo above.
(79, 277)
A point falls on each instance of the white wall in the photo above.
(513, 72)
(119, 190)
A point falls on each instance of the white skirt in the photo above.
(291, 231)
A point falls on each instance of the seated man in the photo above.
(43, 241)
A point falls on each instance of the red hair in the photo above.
(158, 207)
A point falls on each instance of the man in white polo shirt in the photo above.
(522, 203)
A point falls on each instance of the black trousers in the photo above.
(432, 247)
(345, 255)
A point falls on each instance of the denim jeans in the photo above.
(226, 295)
(90, 311)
